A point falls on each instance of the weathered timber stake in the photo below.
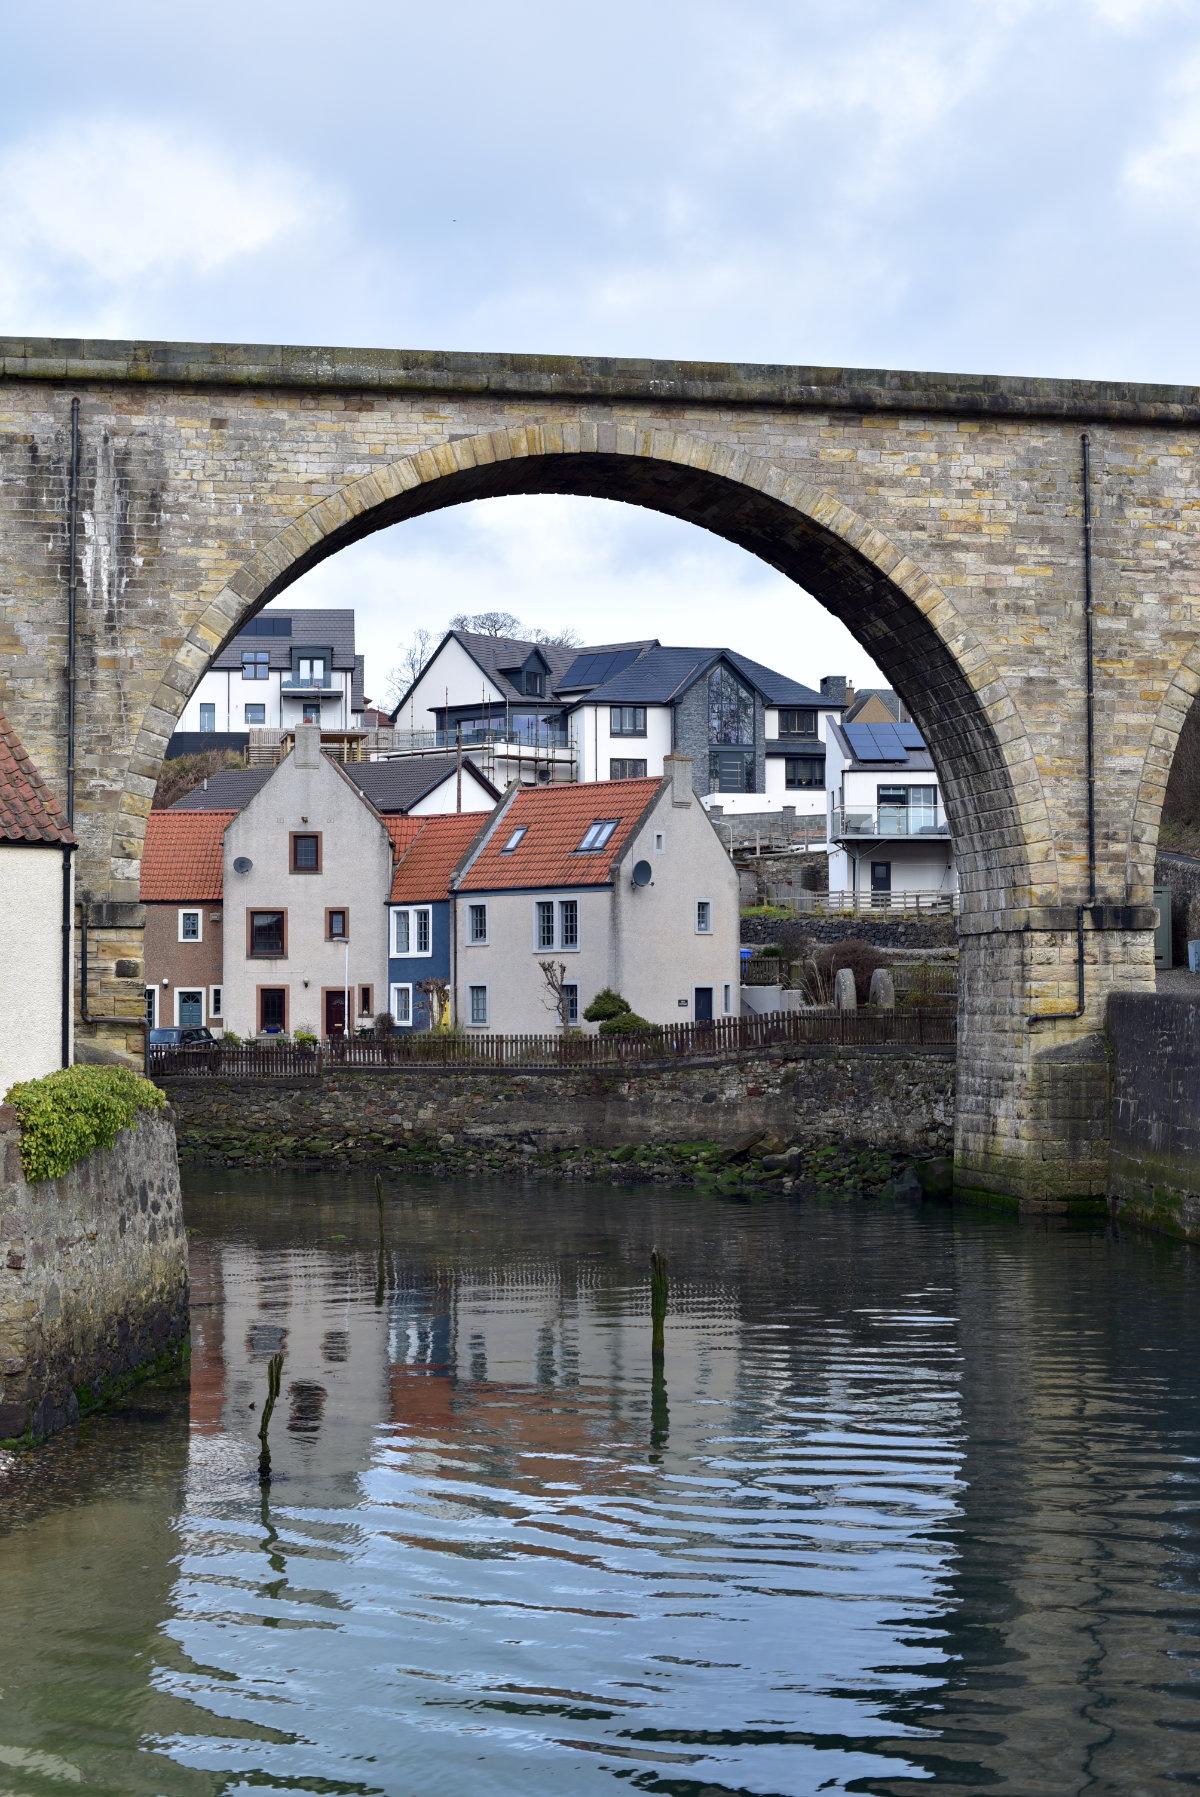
(658, 1301)
(379, 1263)
(274, 1375)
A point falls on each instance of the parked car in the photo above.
(173, 1037)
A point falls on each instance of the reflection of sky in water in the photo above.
(912, 1501)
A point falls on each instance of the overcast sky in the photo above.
(1010, 186)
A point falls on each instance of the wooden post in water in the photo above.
(379, 1263)
(274, 1375)
(658, 1302)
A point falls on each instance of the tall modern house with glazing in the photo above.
(614, 712)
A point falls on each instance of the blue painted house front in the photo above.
(419, 925)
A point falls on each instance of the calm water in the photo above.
(916, 1502)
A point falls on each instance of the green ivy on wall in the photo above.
(69, 1113)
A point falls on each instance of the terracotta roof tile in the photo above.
(28, 810)
(556, 819)
(184, 856)
(403, 832)
(423, 874)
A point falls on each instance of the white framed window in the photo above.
(412, 930)
(556, 924)
(728, 1000)
(189, 1007)
(543, 921)
(208, 718)
(191, 926)
(478, 1006)
(477, 923)
(216, 1002)
(401, 1006)
(571, 994)
(704, 917)
(256, 714)
(151, 1007)
(597, 835)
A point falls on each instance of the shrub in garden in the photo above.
(606, 1005)
(68, 1114)
(385, 1025)
(625, 1023)
(305, 1038)
(230, 1039)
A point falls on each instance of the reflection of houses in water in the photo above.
(315, 1307)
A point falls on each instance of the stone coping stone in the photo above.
(80, 359)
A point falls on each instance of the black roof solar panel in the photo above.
(910, 736)
(883, 742)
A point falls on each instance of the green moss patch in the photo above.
(67, 1115)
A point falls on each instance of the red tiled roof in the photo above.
(184, 858)
(403, 831)
(423, 873)
(28, 810)
(555, 819)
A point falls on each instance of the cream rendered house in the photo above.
(36, 906)
(307, 873)
(624, 883)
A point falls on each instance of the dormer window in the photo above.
(597, 835)
(535, 683)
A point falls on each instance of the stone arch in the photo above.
(910, 626)
(1177, 701)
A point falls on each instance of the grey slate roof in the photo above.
(326, 629)
(884, 694)
(391, 786)
(660, 675)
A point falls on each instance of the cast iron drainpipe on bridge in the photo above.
(1090, 746)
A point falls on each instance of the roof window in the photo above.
(597, 834)
(513, 840)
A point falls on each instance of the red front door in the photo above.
(335, 1013)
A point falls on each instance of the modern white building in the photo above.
(285, 668)
(36, 929)
(889, 838)
(540, 713)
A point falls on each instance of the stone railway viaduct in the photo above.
(1050, 657)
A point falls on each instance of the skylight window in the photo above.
(513, 840)
(597, 834)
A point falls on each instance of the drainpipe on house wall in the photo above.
(67, 919)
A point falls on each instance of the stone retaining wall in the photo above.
(93, 1276)
(882, 931)
(898, 1099)
(1154, 1157)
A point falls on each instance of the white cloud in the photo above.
(1166, 171)
(92, 211)
(1128, 16)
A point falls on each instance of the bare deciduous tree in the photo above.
(557, 996)
(413, 660)
(437, 994)
(565, 638)
(487, 623)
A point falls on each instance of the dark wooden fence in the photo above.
(916, 1027)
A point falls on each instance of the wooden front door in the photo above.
(335, 1013)
(703, 1007)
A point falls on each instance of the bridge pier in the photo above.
(1032, 1095)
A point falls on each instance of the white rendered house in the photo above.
(285, 668)
(36, 921)
(889, 838)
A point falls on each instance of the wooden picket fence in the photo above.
(725, 1037)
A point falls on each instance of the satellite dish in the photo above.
(242, 864)
(642, 873)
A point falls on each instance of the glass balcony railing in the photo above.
(888, 821)
(306, 683)
(519, 734)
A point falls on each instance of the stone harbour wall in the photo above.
(895, 1099)
(93, 1277)
(1154, 1155)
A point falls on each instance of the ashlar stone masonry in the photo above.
(940, 517)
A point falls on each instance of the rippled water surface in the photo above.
(914, 1500)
